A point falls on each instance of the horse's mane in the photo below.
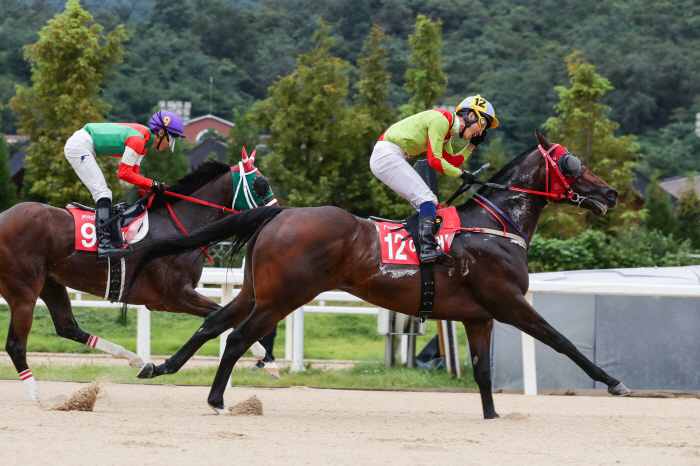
(499, 178)
(205, 172)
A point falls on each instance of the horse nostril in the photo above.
(611, 194)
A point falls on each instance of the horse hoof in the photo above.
(146, 372)
(221, 410)
(271, 370)
(619, 390)
(136, 362)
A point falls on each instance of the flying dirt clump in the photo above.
(82, 400)
(250, 407)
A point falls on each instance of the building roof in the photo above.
(676, 185)
(204, 151)
(689, 275)
(213, 117)
(17, 161)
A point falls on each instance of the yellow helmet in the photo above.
(485, 114)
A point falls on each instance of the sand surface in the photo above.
(141, 424)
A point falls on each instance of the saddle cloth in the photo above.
(397, 244)
(134, 226)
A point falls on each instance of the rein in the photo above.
(199, 201)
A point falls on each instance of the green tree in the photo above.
(7, 187)
(316, 141)
(584, 129)
(69, 63)
(374, 197)
(660, 215)
(689, 214)
(425, 82)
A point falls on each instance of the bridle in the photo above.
(567, 167)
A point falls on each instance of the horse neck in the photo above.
(192, 215)
(524, 209)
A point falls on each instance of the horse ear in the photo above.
(546, 145)
(252, 156)
(245, 155)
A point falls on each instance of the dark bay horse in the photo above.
(38, 259)
(302, 252)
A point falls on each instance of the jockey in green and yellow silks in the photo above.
(429, 133)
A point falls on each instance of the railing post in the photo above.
(143, 334)
(288, 336)
(298, 351)
(529, 360)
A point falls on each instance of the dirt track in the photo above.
(138, 424)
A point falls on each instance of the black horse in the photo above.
(300, 253)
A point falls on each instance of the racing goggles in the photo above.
(172, 138)
(483, 121)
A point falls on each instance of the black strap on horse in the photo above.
(427, 274)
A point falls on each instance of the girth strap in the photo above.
(427, 290)
(116, 270)
(427, 274)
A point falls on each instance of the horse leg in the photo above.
(257, 325)
(214, 325)
(479, 339)
(526, 319)
(193, 303)
(57, 300)
(21, 318)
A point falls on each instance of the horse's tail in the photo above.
(239, 227)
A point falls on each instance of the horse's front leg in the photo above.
(525, 318)
(479, 338)
(214, 325)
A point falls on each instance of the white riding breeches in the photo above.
(388, 163)
(80, 152)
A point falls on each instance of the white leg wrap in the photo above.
(116, 351)
(30, 385)
(258, 351)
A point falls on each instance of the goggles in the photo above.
(171, 138)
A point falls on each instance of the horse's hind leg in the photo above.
(479, 338)
(526, 319)
(214, 325)
(56, 298)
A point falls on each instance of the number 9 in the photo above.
(88, 232)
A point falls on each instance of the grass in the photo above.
(326, 336)
(363, 375)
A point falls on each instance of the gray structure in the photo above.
(647, 342)
(209, 149)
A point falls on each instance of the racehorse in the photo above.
(39, 259)
(302, 252)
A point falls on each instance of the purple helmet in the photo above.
(168, 121)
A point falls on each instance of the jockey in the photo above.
(429, 133)
(128, 141)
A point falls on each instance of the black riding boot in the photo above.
(429, 250)
(108, 241)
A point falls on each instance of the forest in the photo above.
(512, 53)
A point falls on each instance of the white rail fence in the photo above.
(226, 281)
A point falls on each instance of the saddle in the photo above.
(447, 224)
(133, 223)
